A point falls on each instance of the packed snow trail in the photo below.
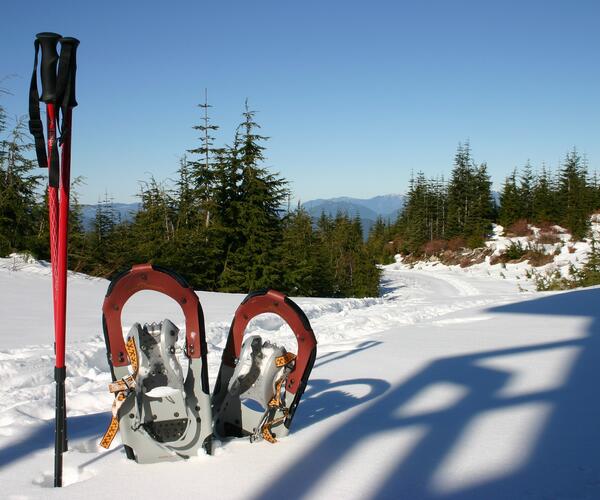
(451, 385)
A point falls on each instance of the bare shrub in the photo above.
(547, 227)
(520, 228)
(496, 259)
(435, 247)
(457, 243)
(465, 262)
(547, 238)
(537, 257)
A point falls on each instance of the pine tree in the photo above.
(366, 274)
(482, 208)
(153, 227)
(377, 242)
(325, 257)
(19, 209)
(356, 274)
(510, 201)
(78, 258)
(299, 254)
(594, 190)
(574, 195)
(470, 204)
(525, 192)
(253, 251)
(203, 171)
(460, 192)
(544, 199)
(190, 250)
(109, 245)
(414, 222)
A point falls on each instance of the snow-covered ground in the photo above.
(454, 384)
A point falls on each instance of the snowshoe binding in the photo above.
(260, 384)
(160, 414)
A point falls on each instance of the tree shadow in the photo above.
(563, 460)
(336, 355)
(321, 400)
(389, 285)
(42, 437)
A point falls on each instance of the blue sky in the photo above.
(354, 95)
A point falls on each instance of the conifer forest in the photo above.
(226, 224)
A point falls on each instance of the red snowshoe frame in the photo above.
(149, 277)
(232, 418)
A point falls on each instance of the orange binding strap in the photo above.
(120, 388)
(276, 402)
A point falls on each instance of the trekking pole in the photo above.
(58, 92)
(48, 43)
(66, 99)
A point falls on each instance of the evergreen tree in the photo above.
(525, 193)
(104, 245)
(470, 204)
(252, 257)
(544, 199)
(510, 201)
(325, 256)
(77, 246)
(460, 192)
(574, 195)
(482, 212)
(203, 171)
(594, 190)
(19, 210)
(377, 242)
(153, 227)
(189, 251)
(365, 273)
(299, 254)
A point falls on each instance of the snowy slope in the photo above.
(453, 384)
(564, 254)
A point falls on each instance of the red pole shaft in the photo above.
(63, 229)
(53, 210)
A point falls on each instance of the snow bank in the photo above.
(565, 254)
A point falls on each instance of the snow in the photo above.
(162, 392)
(455, 383)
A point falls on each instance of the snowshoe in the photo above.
(160, 414)
(260, 384)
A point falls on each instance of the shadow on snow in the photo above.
(79, 428)
(321, 400)
(565, 457)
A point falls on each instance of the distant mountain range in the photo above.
(125, 211)
(386, 206)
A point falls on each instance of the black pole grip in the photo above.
(48, 43)
(66, 72)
